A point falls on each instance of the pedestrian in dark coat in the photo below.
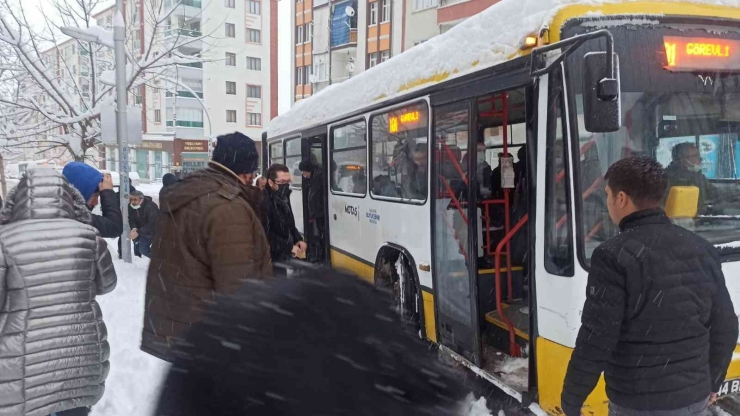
(658, 319)
(168, 180)
(285, 240)
(94, 187)
(142, 218)
(316, 182)
(53, 342)
(208, 239)
(293, 347)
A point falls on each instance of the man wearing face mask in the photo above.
(142, 217)
(685, 170)
(285, 240)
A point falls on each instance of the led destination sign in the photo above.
(685, 54)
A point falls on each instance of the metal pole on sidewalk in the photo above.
(119, 38)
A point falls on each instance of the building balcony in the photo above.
(190, 9)
(185, 94)
(180, 32)
(344, 40)
(185, 123)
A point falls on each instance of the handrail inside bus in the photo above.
(514, 349)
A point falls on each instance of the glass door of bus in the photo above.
(314, 193)
(455, 258)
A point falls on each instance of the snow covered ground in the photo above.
(135, 377)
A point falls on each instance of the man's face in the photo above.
(692, 155)
(420, 160)
(283, 178)
(307, 174)
(135, 201)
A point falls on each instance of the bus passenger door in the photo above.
(314, 193)
(454, 254)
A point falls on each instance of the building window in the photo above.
(388, 132)
(230, 30)
(373, 60)
(299, 35)
(231, 4)
(307, 72)
(231, 116)
(254, 36)
(309, 32)
(349, 155)
(254, 91)
(425, 4)
(373, 13)
(254, 119)
(320, 72)
(299, 76)
(254, 64)
(254, 7)
(385, 15)
(230, 59)
(230, 88)
(384, 56)
(157, 116)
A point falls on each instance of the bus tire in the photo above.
(393, 274)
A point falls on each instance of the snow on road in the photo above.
(135, 377)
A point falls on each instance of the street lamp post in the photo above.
(119, 38)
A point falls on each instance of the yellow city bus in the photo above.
(466, 174)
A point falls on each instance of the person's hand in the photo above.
(106, 183)
(302, 245)
(712, 398)
(133, 234)
(296, 251)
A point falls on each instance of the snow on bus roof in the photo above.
(484, 40)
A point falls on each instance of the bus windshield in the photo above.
(681, 106)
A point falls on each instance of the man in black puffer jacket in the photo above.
(658, 319)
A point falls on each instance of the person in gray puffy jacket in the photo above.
(53, 347)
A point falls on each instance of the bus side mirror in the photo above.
(601, 93)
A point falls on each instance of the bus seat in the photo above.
(682, 202)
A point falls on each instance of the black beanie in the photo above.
(305, 165)
(236, 152)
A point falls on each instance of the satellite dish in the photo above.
(349, 11)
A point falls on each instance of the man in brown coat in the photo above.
(209, 238)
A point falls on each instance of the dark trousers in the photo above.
(80, 411)
(696, 409)
(142, 247)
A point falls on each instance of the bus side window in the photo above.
(558, 222)
(349, 159)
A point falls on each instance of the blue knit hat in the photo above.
(83, 177)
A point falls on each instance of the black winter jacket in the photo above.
(279, 225)
(144, 219)
(110, 224)
(658, 319)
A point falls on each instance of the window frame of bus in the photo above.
(363, 119)
(387, 111)
(556, 79)
(296, 185)
(273, 159)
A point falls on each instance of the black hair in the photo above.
(678, 151)
(640, 177)
(168, 179)
(274, 169)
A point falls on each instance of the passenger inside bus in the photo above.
(416, 182)
(685, 170)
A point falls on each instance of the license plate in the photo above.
(729, 387)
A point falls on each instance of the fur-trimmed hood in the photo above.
(44, 193)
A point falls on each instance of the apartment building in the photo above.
(334, 40)
(233, 89)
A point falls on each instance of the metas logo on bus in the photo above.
(353, 211)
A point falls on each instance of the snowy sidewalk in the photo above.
(132, 388)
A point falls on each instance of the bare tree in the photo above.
(47, 103)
